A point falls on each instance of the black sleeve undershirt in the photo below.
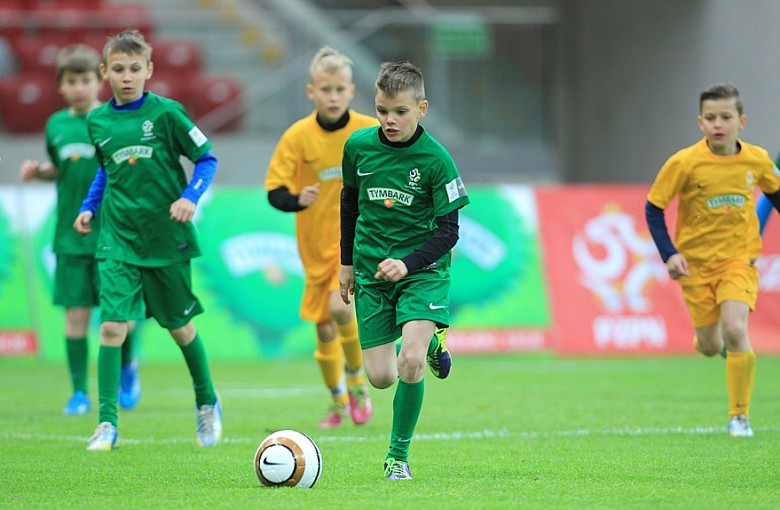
(774, 199)
(443, 239)
(349, 216)
(282, 199)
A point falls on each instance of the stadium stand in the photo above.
(35, 31)
(26, 101)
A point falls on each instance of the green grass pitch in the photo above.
(509, 431)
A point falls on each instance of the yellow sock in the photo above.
(329, 356)
(352, 352)
(740, 376)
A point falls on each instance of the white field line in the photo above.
(439, 436)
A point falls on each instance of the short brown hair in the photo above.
(77, 58)
(129, 42)
(721, 91)
(397, 77)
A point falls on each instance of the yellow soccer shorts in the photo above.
(736, 282)
(315, 304)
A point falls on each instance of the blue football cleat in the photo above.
(78, 404)
(129, 385)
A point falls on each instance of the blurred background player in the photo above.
(145, 207)
(717, 237)
(73, 166)
(304, 177)
(399, 221)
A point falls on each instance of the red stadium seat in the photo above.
(218, 103)
(65, 21)
(78, 4)
(113, 19)
(27, 101)
(39, 54)
(169, 85)
(12, 23)
(180, 56)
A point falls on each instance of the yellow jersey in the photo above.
(716, 211)
(305, 155)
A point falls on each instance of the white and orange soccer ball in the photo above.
(288, 458)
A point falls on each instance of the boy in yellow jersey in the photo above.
(717, 238)
(304, 177)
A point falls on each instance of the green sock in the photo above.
(195, 356)
(77, 362)
(109, 367)
(407, 404)
(128, 347)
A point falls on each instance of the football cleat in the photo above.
(739, 426)
(397, 470)
(333, 416)
(360, 407)
(209, 424)
(129, 385)
(440, 360)
(104, 439)
(77, 404)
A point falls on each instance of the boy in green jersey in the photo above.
(399, 221)
(145, 205)
(73, 166)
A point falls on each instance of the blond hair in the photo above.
(328, 60)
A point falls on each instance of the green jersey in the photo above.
(70, 150)
(140, 151)
(400, 192)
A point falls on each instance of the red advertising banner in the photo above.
(764, 323)
(14, 343)
(609, 290)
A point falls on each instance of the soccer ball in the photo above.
(288, 458)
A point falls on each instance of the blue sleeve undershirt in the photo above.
(202, 175)
(95, 194)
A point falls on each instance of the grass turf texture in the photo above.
(519, 431)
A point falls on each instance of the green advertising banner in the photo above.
(250, 278)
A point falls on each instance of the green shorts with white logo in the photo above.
(129, 292)
(76, 281)
(383, 308)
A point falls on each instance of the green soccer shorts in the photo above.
(76, 281)
(129, 292)
(383, 308)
